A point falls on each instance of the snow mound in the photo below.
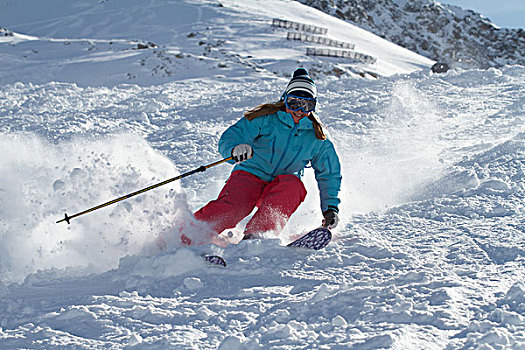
(487, 184)
(499, 322)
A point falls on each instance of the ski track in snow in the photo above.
(429, 253)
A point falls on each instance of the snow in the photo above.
(193, 38)
(430, 249)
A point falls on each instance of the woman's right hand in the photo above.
(242, 152)
(330, 219)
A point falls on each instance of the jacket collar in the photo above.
(287, 118)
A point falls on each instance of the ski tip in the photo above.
(316, 239)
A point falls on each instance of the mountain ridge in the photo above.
(445, 33)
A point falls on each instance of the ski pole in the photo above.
(68, 218)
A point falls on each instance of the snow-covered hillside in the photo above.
(117, 41)
(430, 250)
(446, 33)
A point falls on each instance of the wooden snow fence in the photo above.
(313, 51)
(281, 23)
(310, 38)
(345, 51)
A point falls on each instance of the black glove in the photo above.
(331, 218)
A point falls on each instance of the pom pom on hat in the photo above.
(301, 84)
(299, 72)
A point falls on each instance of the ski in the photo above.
(215, 260)
(315, 239)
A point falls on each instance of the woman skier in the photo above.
(271, 145)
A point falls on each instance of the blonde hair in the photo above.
(270, 108)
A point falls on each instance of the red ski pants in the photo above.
(277, 201)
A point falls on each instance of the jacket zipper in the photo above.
(294, 159)
(285, 150)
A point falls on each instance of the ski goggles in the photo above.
(296, 103)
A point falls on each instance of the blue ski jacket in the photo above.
(280, 146)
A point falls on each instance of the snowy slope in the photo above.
(429, 254)
(96, 43)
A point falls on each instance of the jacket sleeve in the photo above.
(328, 175)
(243, 131)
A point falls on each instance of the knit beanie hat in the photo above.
(301, 84)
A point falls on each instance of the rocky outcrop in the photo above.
(445, 33)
